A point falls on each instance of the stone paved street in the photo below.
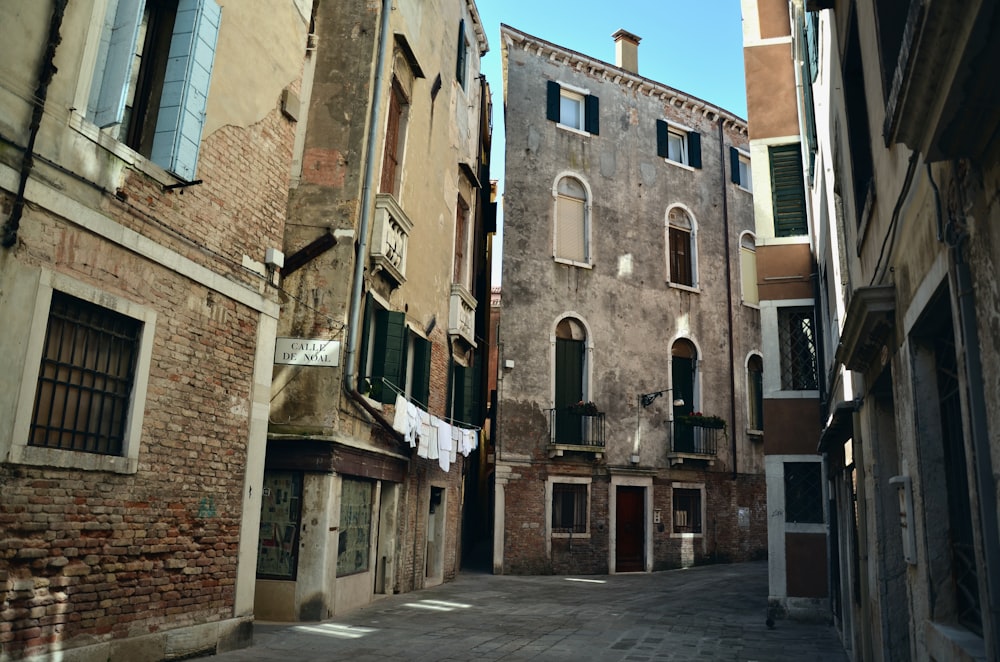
(706, 613)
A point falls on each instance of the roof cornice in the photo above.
(619, 76)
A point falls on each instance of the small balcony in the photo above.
(390, 237)
(576, 429)
(694, 440)
(462, 314)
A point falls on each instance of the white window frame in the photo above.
(578, 95)
(573, 480)
(745, 171)
(675, 130)
(23, 453)
(695, 287)
(688, 486)
(588, 261)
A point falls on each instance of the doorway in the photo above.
(630, 517)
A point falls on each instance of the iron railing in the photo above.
(693, 439)
(578, 429)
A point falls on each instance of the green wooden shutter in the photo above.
(366, 327)
(593, 115)
(734, 165)
(390, 345)
(788, 190)
(694, 149)
(552, 101)
(662, 139)
(420, 381)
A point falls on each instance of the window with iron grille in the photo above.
(569, 508)
(804, 492)
(797, 338)
(687, 510)
(86, 377)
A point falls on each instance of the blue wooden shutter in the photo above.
(185, 87)
(593, 115)
(552, 101)
(694, 149)
(734, 165)
(460, 66)
(662, 139)
(114, 62)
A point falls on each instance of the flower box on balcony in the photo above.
(699, 420)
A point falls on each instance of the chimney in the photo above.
(627, 51)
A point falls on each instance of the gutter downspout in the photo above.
(729, 292)
(361, 251)
(48, 69)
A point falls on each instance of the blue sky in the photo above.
(695, 46)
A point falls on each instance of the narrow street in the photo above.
(705, 613)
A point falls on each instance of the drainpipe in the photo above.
(729, 292)
(47, 70)
(361, 252)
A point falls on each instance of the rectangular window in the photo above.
(748, 270)
(739, 165)
(677, 144)
(687, 510)
(575, 109)
(804, 492)
(86, 378)
(462, 65)
(280, 517)
(463, 237)
(797, 341)
(466, 403)
(354, 545)
(681, 272)
(788, 190)
(569, 508)
(394, 133)
(156, 109)
(755, 393)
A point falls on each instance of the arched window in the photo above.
(684, 363)
(681, 247)
(748, 269)
(572, 220)
(755, 392)
(570, 378)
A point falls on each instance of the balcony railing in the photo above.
(692, 440)
(572, 428)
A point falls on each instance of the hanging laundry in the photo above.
(400, 421)
(444, 443)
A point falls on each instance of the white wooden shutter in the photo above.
(114, 62)
(570, 229)
(185, 87)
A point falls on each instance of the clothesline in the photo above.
(434, 438)
(451, 421)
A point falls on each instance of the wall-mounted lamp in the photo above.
(647, 398)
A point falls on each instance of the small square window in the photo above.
(803, 492)
(571, 109)
(677, 146)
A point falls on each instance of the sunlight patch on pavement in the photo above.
(586, 581)
(453, 605)
(335, 630)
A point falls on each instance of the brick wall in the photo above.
(86, 557)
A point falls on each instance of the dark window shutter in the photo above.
(661, 139)
(365, 333)
(552, 101)
(460, 66)
(390, 344)
(420, 386)
(694, 149)
(734, 165)
(788, 190)
(593, 115)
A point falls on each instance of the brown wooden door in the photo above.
(630, 516)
